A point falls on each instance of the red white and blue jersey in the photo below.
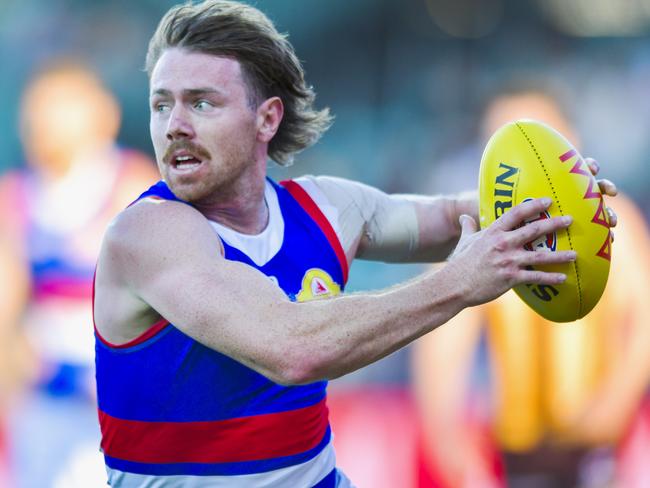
(176, 413)
(60, 240)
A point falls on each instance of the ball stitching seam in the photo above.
(548, 179)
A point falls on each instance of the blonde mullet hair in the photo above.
(268, 61)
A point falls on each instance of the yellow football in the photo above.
(528, 159)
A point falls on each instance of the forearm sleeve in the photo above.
(369, 222)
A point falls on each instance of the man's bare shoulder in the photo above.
(149, 220)
(142, 244)
(153, 234)
(153, 209)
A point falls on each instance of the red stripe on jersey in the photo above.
(306, 202)
(146, 335)
(223, 441)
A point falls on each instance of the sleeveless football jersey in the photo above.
(176, 413)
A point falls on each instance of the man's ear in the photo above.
(269, 116)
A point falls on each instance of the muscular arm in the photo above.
(377, 226)
(165, 257)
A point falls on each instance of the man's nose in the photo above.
(179, 125)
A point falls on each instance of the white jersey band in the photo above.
(301, 475)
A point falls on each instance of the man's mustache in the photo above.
(199, 152)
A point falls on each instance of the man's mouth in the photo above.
(185, 156)
(185, 162)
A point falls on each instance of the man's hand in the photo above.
(606, 188)
(491, 261)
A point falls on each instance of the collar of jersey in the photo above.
(262, 247)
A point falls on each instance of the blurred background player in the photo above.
(53, 213)
(13, 352)
(508, 399)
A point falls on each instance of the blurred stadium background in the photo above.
(406, 79)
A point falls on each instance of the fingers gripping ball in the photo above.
(527, 159)
(547, 242)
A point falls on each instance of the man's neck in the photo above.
(243, 209)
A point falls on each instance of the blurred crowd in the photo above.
(53, 213)
(498, 397)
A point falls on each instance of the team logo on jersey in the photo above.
(542, 243)
(317, 284)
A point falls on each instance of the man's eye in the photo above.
(203, 105)
(161, 107)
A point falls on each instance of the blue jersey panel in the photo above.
(193, 383)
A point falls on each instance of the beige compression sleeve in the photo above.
(387, 225)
